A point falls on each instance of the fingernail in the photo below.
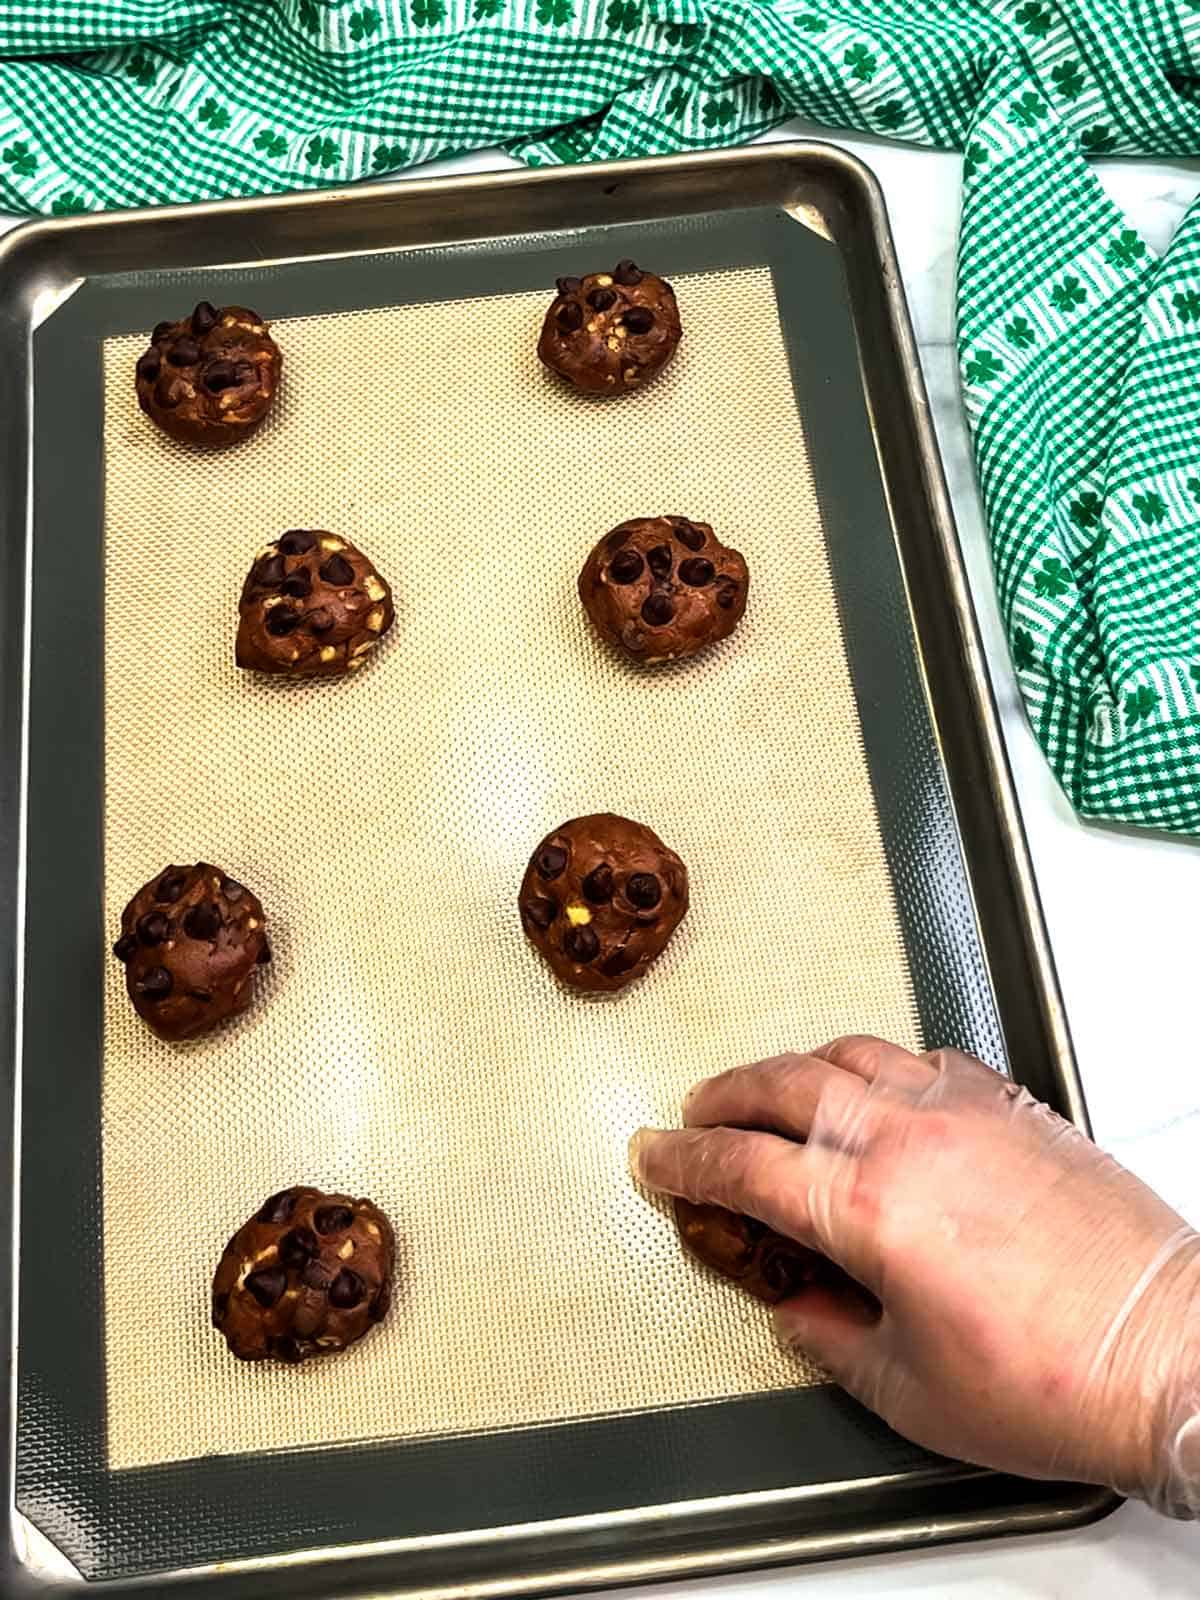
(637, 1145)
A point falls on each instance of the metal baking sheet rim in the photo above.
(40, 266)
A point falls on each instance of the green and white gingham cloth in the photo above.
(1079, 348)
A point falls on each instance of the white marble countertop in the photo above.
(1121, 922)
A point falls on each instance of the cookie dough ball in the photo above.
(661, 587)
(312, 606)
(190, 941)
(610, 332)
(210, 379)
(307, 1275)
(762, 1262)
(601, 898)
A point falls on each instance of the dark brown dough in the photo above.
(210, 378)
(601, 898)
(312, 606)
(190, 940)
(307, 1275)
(611, 332)
(662, 587)
(758, 1260)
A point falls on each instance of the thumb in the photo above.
(838, 1327)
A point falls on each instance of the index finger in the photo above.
(756, 1174)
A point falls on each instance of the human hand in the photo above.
(1031, 1307)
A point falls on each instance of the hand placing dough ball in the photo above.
(600, 900)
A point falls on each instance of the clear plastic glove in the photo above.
(1032, 1306)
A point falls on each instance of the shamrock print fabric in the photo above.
(1080, 349)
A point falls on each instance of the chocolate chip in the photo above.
(220, 1306)
(378, 1309)
(204, 996)
(617, 538)
(149, 366)
(332, 1219)
(153, 928)
(697, 571)
(298, 584)
(321, 620)
(317, 1275)
(184, 353)
(161, 330)
(297, 1246)
(232, 889)
(627, 567)
(270, 572)
(346, 1290)
(660, 560)
(581, 944)
(627, 274)
(598, 885)
(643, 890)
(220, 375)
(278, 1208)
(296, 541)
(601, 299)
(125, 946)
(785, 1272)
(204, 318)
(202, 921)
(263, 957)
(156, 984)
(726, 593)
(657, 610)
(551, 859)
(287, 1349)
(690, 536)
(169, 392)
(618, 962)
(570, 317)
(338, 571)
(567, 286)
(281, 620)
(541, 911)
(170, 887)
(639, 319)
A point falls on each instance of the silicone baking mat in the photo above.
(408, 1044)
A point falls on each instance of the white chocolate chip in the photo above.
(267, 550)
(375, 619)
(275, 600)
(354, 663)
(327, 652)
(603, 280)
(329, 542)
(252, 923)
(371, 1229)
(578, 916)
(346, 1250)
(614, 344)
(361, 649)
(594, 325)
(375, 590)
(630, 374)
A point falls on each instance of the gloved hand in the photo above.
(1030, 1306)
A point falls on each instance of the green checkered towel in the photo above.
(1080, 350)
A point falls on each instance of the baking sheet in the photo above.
(409, 1044)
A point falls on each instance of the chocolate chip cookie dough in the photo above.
(662, 587)
(210, 378)
(312, 606)
(611, 332)
(307, 1275)
(601, 898)
(762, 1262)
(190, 941)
